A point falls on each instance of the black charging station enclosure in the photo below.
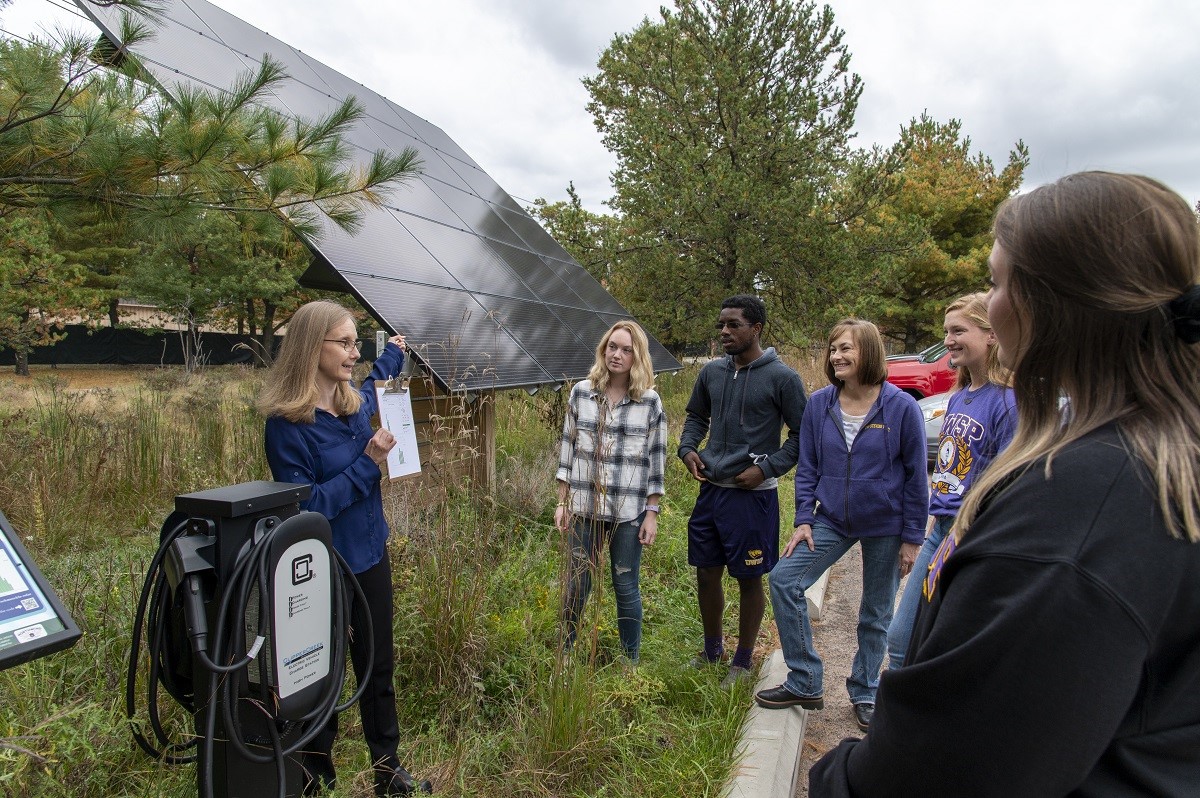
(230, 515)
(235, 510)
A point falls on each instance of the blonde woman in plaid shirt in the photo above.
(610, 477)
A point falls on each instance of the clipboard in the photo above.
(396, 416)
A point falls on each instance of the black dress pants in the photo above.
(378, 703)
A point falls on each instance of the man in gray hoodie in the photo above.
(741, 403)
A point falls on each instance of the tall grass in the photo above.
(83, 467)
(489, 705)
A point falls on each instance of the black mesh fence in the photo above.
(130, 346)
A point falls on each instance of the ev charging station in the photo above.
(245, 611)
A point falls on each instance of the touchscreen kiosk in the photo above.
(33, 622)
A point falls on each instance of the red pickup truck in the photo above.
(922, 375)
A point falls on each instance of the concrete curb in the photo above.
(768, 754)
(767, 759)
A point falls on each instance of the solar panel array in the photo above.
(484, 294)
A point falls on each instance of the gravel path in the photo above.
(836, 640)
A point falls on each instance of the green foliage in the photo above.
(182, 273)
(262, 290)
(592, 239)
(730, 121)
(222, 268)
(180, 200)
(104, 247)
(36, 285)
(78, 129)
(928, 243)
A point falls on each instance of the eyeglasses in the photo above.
(733, 325)
(346, 345)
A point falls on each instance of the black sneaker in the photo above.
(395, 781)
(863, 714)
(780, 697)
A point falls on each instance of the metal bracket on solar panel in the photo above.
(397, 384)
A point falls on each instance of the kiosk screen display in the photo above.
(33, 623)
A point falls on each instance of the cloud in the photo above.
(1085, 84)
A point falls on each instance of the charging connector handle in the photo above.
(186, 565)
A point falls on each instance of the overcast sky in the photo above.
(1087, 84)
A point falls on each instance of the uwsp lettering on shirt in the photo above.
(963, 426)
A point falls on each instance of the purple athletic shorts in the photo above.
(735, 528)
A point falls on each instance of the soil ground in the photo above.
(835, 637)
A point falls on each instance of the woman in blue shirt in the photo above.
(318, 432)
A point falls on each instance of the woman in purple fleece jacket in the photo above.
(861, 479)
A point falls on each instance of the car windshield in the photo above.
(932, 353)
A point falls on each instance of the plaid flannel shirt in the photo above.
(612, 457)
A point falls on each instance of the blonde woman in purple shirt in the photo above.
(981, 418)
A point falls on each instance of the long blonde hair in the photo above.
(1094, 260)
(974, 307)
(641, 374)
(290, 389)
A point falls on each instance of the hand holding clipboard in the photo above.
(396, 417)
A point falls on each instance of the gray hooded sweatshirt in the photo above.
(743, 412)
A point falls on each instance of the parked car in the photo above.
(923, 374)
(933, 410)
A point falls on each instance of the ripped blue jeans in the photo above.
(586, 540)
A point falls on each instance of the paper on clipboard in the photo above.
(396, 416)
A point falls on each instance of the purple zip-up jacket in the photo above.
(876, 488)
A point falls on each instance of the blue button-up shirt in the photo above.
(330, 454)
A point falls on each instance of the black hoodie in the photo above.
(1059, 654)
(743, 412)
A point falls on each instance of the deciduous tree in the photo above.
(730, 121)
(929, 242)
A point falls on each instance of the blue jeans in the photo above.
(793, 575)
(586, 539)
(900, 632)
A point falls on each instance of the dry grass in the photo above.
(81, 378)
(113, 386)
(810, 365)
